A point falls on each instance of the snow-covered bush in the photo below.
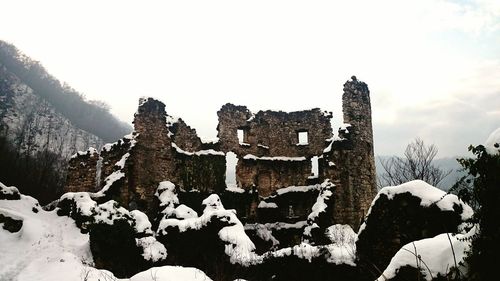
(484, 176)
(9, 192)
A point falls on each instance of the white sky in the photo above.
(432, 66)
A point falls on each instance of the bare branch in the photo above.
(417, 163)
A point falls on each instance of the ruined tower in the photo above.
(350, 161)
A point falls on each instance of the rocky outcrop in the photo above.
(403, 214)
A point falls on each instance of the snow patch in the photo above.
(436, 256)
(142, 223)
(90, 151)
(264, 204)
(197, 153)
(276, 158)
(300, 188)
(152, 250)
(343, 247)
(235, 189)
(492, 143)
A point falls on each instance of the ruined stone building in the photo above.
(282, 159)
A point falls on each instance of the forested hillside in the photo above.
(43, 123)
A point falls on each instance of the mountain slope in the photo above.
(43, 123)
(91, 116)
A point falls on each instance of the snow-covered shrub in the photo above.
(122, 241)
(114, 248)
(169, 202)
(9, 192)
(484, 175)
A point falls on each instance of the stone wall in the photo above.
(184, 136)
(273, 133)
(111, 154)
(270, 175)
(203, 173)
(82, 172)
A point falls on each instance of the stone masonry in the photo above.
(82, 172)
(276, 152)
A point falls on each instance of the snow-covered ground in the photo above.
(51, 247)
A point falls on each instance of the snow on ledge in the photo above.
(265, 205)
(170, 273)
(276, 225)
(89, 151)
(300, 188)
(276, 158)
(197, 153)
(492, 143)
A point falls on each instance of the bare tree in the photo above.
(416, 164)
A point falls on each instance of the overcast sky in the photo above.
(433, 67)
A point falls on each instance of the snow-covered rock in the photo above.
(408, 212)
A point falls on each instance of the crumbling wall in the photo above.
(184, 136)
(202, 173)
(350, 160)
(273, 133)
(271, 155)
(270, 175)
(111, 154)
(82, 172)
